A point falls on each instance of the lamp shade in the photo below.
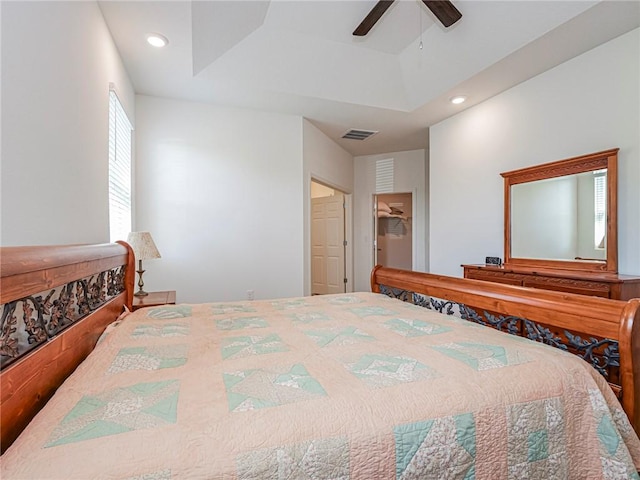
(142, 245)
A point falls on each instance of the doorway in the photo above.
(393, 230)
(328, 240)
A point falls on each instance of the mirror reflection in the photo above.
(562, 218)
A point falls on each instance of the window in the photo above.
(600, 206)
(119, 170)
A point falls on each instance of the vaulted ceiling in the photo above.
(300, 57)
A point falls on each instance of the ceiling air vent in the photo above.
(354, 134)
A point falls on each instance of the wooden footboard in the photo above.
(603, 332)
(56, 302)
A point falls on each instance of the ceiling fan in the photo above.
(444, 11)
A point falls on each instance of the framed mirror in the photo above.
(563, 214)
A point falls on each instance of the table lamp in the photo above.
(143, 249)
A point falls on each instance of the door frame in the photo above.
(414, 232)
(348, 233)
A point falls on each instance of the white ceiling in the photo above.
(299, 57)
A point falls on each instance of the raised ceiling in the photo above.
(299, 57)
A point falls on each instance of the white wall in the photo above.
(221, 191)
(326, 161)
(58, 59)
(588, 104)
(409, 176)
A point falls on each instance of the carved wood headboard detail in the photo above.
(56, 301)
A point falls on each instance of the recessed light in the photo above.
(458, 99)
(157, 40)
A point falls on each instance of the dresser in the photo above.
(599, 284)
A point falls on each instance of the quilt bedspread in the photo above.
(356, 386)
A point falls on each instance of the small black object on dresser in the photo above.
(493, 261)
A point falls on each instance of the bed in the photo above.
(411, 380)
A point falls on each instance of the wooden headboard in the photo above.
(56, 302)
(604, 332)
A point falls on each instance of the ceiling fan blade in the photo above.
(374, 15)
(444, 10)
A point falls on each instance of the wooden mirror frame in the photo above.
(607, 159)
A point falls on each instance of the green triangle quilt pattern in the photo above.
(225, 308)
(338, 336)
(321, 459)
(414, 328)
(612, 425)
(482, 356)
(170, 312)
(164, 330)
(289, 304)
(240, 323)
(309, 317)
(140, 406)
(149, 358)
(428, 449)
(381, 370)
(270, 387)
(237, 347)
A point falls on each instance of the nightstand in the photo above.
(154, 299)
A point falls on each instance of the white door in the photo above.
(327, 245)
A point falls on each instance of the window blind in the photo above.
(600, 206)
(119, 170)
